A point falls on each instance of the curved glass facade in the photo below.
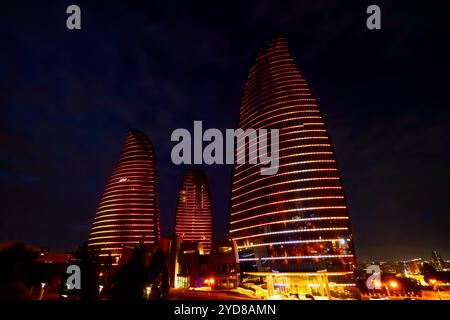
(297, 219)
(128, 212)
(193, 221)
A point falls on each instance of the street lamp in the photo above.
(41, 295)
(435, 284)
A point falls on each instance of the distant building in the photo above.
(191, 268)
(223, 265)
(437, 261)
(31, 272)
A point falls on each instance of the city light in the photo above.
(393, 284)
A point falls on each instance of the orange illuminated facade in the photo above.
(193, 221)
(128, 212)
(297, 219)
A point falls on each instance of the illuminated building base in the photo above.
(300, 285)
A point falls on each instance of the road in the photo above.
(186, 294)
(432, 295)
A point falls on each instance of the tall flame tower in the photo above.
(297, 219)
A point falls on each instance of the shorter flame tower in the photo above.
(128, 212)
(193, 220)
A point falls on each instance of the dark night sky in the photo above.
(68, 97)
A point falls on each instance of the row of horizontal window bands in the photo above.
(272, 200)
(147, 193)
(261, 100)
(294, 159)
(277, 65)
(123, 225)
(304, 250)
(287, 214)
(288, 223)
(306, 221)
(120, 239)
(119, 234)
(273, 72)
(284, 85)
(126, 215)
(256, 216)
(343, 264)
(139, 201)
(271, 68)
(335, 262)
(268, 237)
(138, 150)
(280, 120)
(133, 167)
(143, 144)
(290, 154)
(288, 77)
(135, 185)
(127, 197)
(273, 50)
(271, 191)
(280, 110)
(298, 133)
(278, 187)
(286, 171)
(294, 203)
(307, 169)
(285, 80)
(116, 247)
(138, 186)
(193, 212)
(188, 224)
(267, 96)
(285, 126)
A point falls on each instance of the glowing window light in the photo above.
(294, 155)
(284, 183)
(253, 181)
(261, 136)
(277, 114)
(289, 221)
(292, 163)
(291, 231)
(300, 257)
(286, 211)
(255, 157)
(286, 242)
(267, 96)
(287, 201)
(286, 100)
